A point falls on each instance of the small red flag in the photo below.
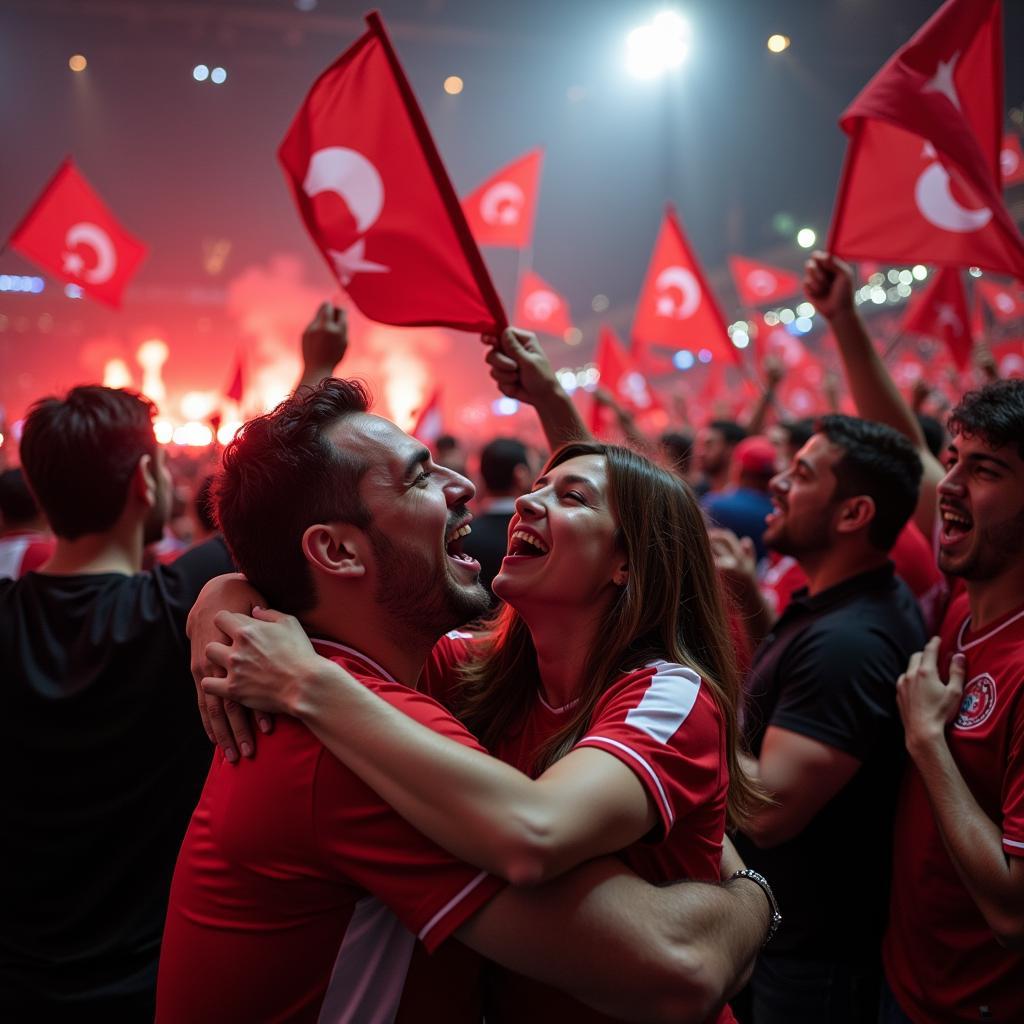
(676, 307)
(1005, 301)
(1011, 160)
(623, 380)
(71, 233)
(921, 178)
(237, 386)
(941, 313)
(429, 424)
(758, 284)
(541, 308)
(501, 210)
(376, 199)
(1009, 357)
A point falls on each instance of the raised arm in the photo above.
(481, 809)
(522, 371)
(628, 949)
(774, 371)
(324, 343)
(828, 283)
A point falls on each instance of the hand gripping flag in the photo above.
(676, 308)
(623, 380)
(376, 199)
(540, 308)
(941, 313)
(501, 210)
(70, 233)
(758, 284)
(921, 182)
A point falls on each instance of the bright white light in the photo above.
(805, 238)
(658, 47)
(164, 431)
(906, 277)
(505, 406)
(893, 276)
(771, 318)
(903, 290)
(683, 359)
(591, 376)
(567, 378)
(803, 324)
(741, 339)
(218, 76)
(200, 72)
(226, 431)
(787, 316)
(72, 291)
(777, 43)
(197, 405)
(877, 295)
(193, 435)
(920, 272)
(805, 309)
(974, 271)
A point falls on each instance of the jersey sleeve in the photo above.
(664, 725)
(1013, 787)
(366, 841)
(840, 689)
(440, 678)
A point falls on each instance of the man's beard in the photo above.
(421, 596)
(815, 538)
(997, 546)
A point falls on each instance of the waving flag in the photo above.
(676, 308)
(501, 210)
(623, 380)
(941, 313)
(376, 199)
(921, 183)
(541, 308)
(429, 425)
(759, 284)
(1011, 160)
(71, 233)
(1005, 301)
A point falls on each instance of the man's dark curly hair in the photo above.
(994, 413)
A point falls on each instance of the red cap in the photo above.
(755, 455)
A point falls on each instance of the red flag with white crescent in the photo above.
(623, 379)
(377, 201)
(759, 284)
(676, 308)
(501, 211)
(940, 312)
(1011, 160)
(1005, 300)
(921, 182)
(540, 308)
(1009, 357)
(71, 233)
(429, 425)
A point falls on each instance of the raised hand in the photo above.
(828, 283)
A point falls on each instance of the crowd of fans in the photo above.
(737, 671)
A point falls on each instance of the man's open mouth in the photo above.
(453, 543)
(956, 525)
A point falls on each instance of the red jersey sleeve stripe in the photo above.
(432, 942)
(659, 790)
(1014, 847)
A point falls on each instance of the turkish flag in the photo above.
(1011, 160)
(376, 199)
(540, 308)
(921, 178)
(620, 376)
(941, 312)
(676, 307)
(761, 285)
(429, 425)
(1009, 357)
(501, 210)
(70, 232)
(1005, 301)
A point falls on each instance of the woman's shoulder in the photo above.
(659, 695)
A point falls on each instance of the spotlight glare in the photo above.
(453, 85)
(805, 238)
(658, 47)
(78, 63)
(200, 72)
(777, 43)
(218, 76)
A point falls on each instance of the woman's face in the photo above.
(561, 541)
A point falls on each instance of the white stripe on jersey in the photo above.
(453, 902)
(1013, 843)
(370, 969)
(667, 702)
(643, 764)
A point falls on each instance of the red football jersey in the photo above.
(663, 724)
(299, 894)
(941, 958)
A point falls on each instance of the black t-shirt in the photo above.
(102, 757)
(828, 671)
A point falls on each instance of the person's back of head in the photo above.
(281, 474)
(18, 509)
(80, 453)
(879, 462)
(505, 467)
(204, 507)
(730, 430)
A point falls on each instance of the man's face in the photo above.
(712, 451)
(981, 505)
(804, 501)
(156, 520)
(417, 510)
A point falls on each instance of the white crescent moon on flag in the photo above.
(502, 202)
(92, 235)
(761, 282)
(937, 205)
(683, 279)
(1008, 161)
(539, 305)
(350, 175)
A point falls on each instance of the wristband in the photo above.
(762, 883)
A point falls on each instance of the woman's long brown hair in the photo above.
(672, 607)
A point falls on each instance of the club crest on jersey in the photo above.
(979, 701)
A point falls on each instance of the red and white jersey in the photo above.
(299, 894)
(941, 958)
(660, 721)
(23, 552)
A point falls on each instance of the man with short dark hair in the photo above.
(822, 723)
(505, 469)
(25, 540)
(713, 452)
